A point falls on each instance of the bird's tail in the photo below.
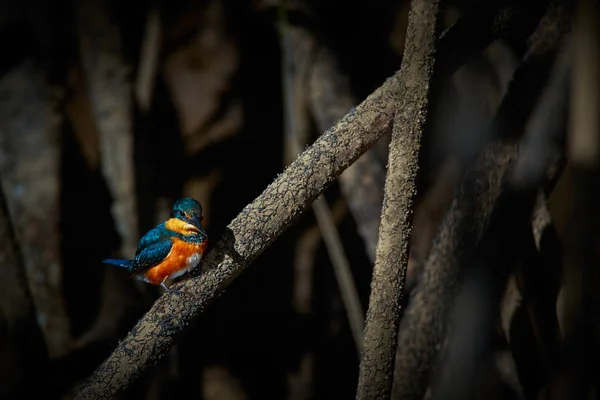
(127, 264)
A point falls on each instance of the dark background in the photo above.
(213, 130)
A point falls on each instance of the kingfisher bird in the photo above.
(170, 249)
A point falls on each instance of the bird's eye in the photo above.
(181, 214)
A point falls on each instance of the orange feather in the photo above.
(177, 260)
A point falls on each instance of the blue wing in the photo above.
(153, 236)
(151, 255)
(153, 247)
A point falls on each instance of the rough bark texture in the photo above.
(389, 274)
(247, 236)
(110, 96)
(424, 325)
(29, 163)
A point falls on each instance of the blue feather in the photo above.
(127, 264)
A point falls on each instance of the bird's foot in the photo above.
(171, 290)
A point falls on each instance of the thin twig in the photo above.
(389, 274)
(341, 269)
(295, 47)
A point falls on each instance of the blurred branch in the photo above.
(542, 147)
(424, 324)
(585, 121)
(246, 237)
(301, 382)
(30, 179)
(148, 66)
(304, 258)
(362, 183)
(296, 57)
(16, 303)
(22, 351)
(341, 269)
(296, 53)
(579, 303)
(544, 136)
(389, 274)
(331, 97)
(110, 93)
(486, 22)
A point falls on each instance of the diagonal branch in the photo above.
(249, 234)
(389, 274)
(246, 237)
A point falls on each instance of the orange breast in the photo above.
(177, 260)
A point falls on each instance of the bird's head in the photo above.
(189, 211)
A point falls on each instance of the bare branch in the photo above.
(110, 93)
(389, 274)
(247, 236)
(30, 170)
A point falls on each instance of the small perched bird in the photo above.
(170, 249)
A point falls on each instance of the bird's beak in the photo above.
(198, 225)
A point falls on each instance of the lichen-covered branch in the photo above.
(389, 274)
(110, 96)
(246, 237)
(29, 164)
